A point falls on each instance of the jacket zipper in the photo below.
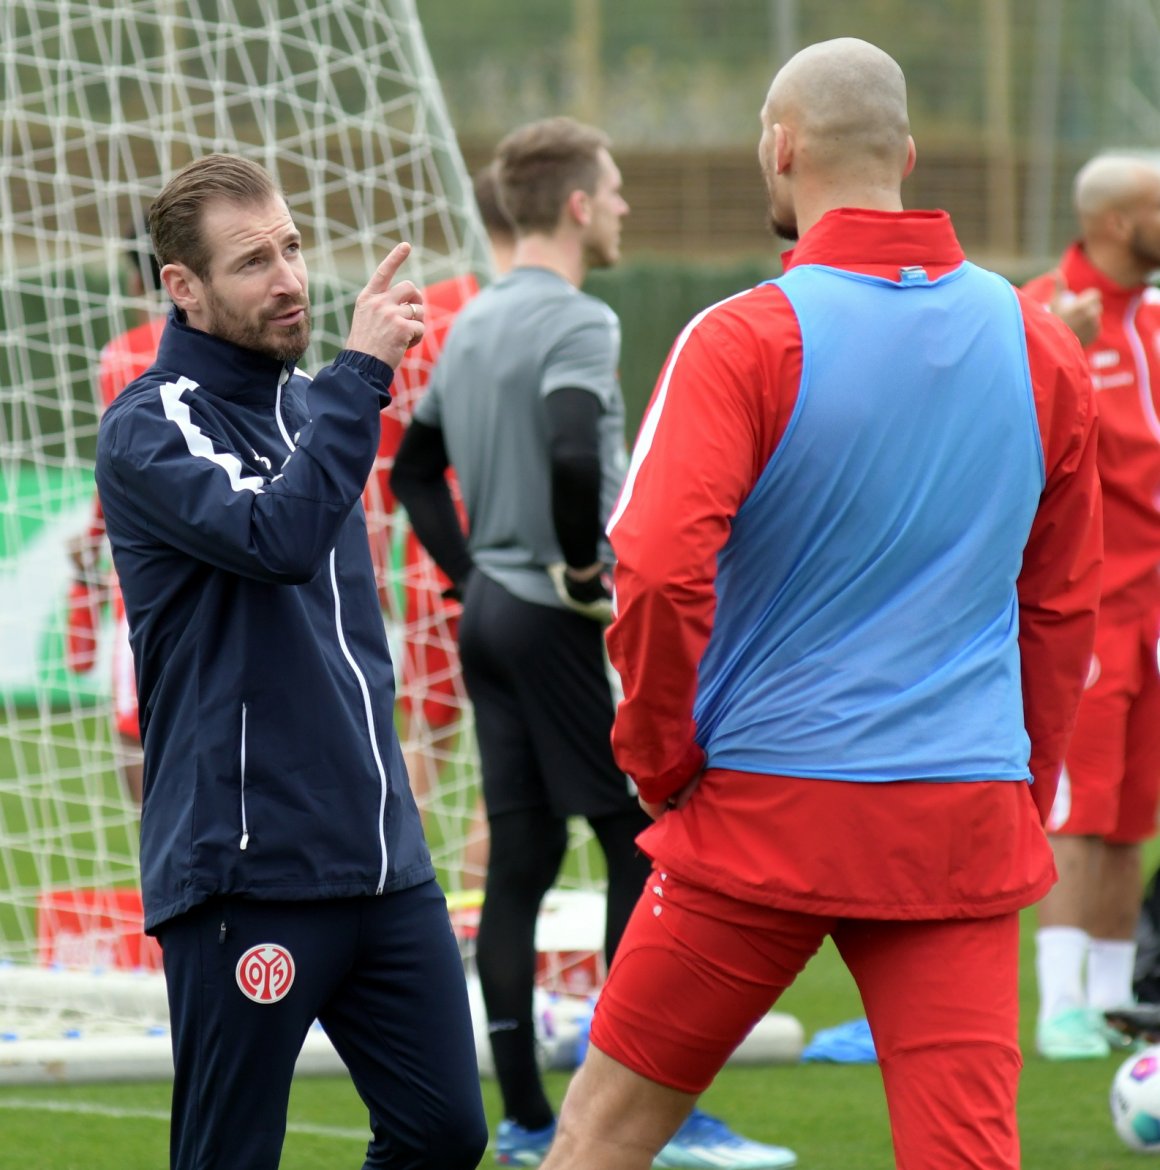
(1143, 374)
(368, 709)
(245, 828)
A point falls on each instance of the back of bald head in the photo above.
(845, 100)
(1111, 182)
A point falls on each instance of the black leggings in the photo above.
(527, 849)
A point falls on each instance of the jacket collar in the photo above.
(1080, 273)
(219, 367)
(853, 237)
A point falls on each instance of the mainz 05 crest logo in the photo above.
(266, 972)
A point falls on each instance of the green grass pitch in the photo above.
(833, 1116)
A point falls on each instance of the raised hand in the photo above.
(1080, 312)
(387, 318)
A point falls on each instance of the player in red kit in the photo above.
(857, 567)
(1106, 807)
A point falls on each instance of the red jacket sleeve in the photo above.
(716, 415)
(1059, 584)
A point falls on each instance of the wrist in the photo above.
(584, 572)
(657, 789)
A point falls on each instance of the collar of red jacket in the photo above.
(1080, 273)
(855, 237)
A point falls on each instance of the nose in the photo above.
(289, 277)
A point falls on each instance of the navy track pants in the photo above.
(247, 979)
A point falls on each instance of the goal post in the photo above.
(103, 101)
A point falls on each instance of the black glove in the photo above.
(591, 597)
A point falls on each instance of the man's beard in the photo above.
(782, 229)
(1142, 252)
(283, 345)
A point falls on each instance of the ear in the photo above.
(782, 148)
(183, 287)
(911, 156)
(578, 207)
(1124, 221)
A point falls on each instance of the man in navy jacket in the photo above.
(283, 865)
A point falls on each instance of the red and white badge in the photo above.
(265, 973)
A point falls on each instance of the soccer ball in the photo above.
(1135, 1100)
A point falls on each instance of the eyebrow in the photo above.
(240, 251)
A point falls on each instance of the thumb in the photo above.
(1060, 283)
(382, 276)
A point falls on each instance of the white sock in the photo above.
(1111, 964)
(1060, 952)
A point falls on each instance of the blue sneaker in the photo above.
(517, 1146)
(706, 1143)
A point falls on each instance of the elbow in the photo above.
(655, 577)
(405, 484)
(295, 555)
(296, 575)
(399, 485)
(295, 569)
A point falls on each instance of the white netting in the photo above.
(104, 99)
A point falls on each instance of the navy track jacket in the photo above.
(231, 489)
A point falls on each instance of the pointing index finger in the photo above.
(382, 276)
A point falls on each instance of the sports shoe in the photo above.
(1072, 1034)
(1140, 1021)
(1122, 1037)
(517, 1146)
(705, 1143)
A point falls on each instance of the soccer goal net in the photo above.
(103, 100)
